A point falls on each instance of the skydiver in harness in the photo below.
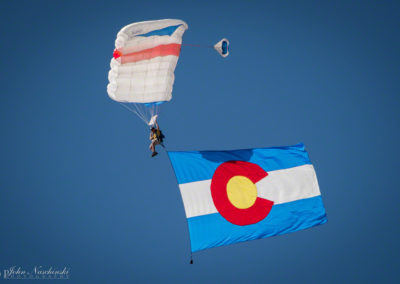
(156, 137)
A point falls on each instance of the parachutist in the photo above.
(156, 138)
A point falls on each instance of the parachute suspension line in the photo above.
(154, 110)
(140, 109)
(135, 111)
(143, 111)
(197, 45)
(222, 47)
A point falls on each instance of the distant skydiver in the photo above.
(156, 137)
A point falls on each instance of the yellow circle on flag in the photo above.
(242, 192)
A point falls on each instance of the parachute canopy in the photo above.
(143, 65)
(222, 47)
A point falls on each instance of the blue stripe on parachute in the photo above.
(154, 103)
(162, 32)
(213, 230)
(201, 165)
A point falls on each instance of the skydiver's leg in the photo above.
(153, 147)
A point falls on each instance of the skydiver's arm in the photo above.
(158, 128)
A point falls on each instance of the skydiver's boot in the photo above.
(154, 154)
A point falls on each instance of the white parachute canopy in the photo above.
(222, 47)
(143, 65)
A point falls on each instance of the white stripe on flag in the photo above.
(280, 186)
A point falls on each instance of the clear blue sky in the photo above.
(79, 189)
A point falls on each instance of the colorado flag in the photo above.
(241, 195)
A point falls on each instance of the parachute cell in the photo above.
(143, 65)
